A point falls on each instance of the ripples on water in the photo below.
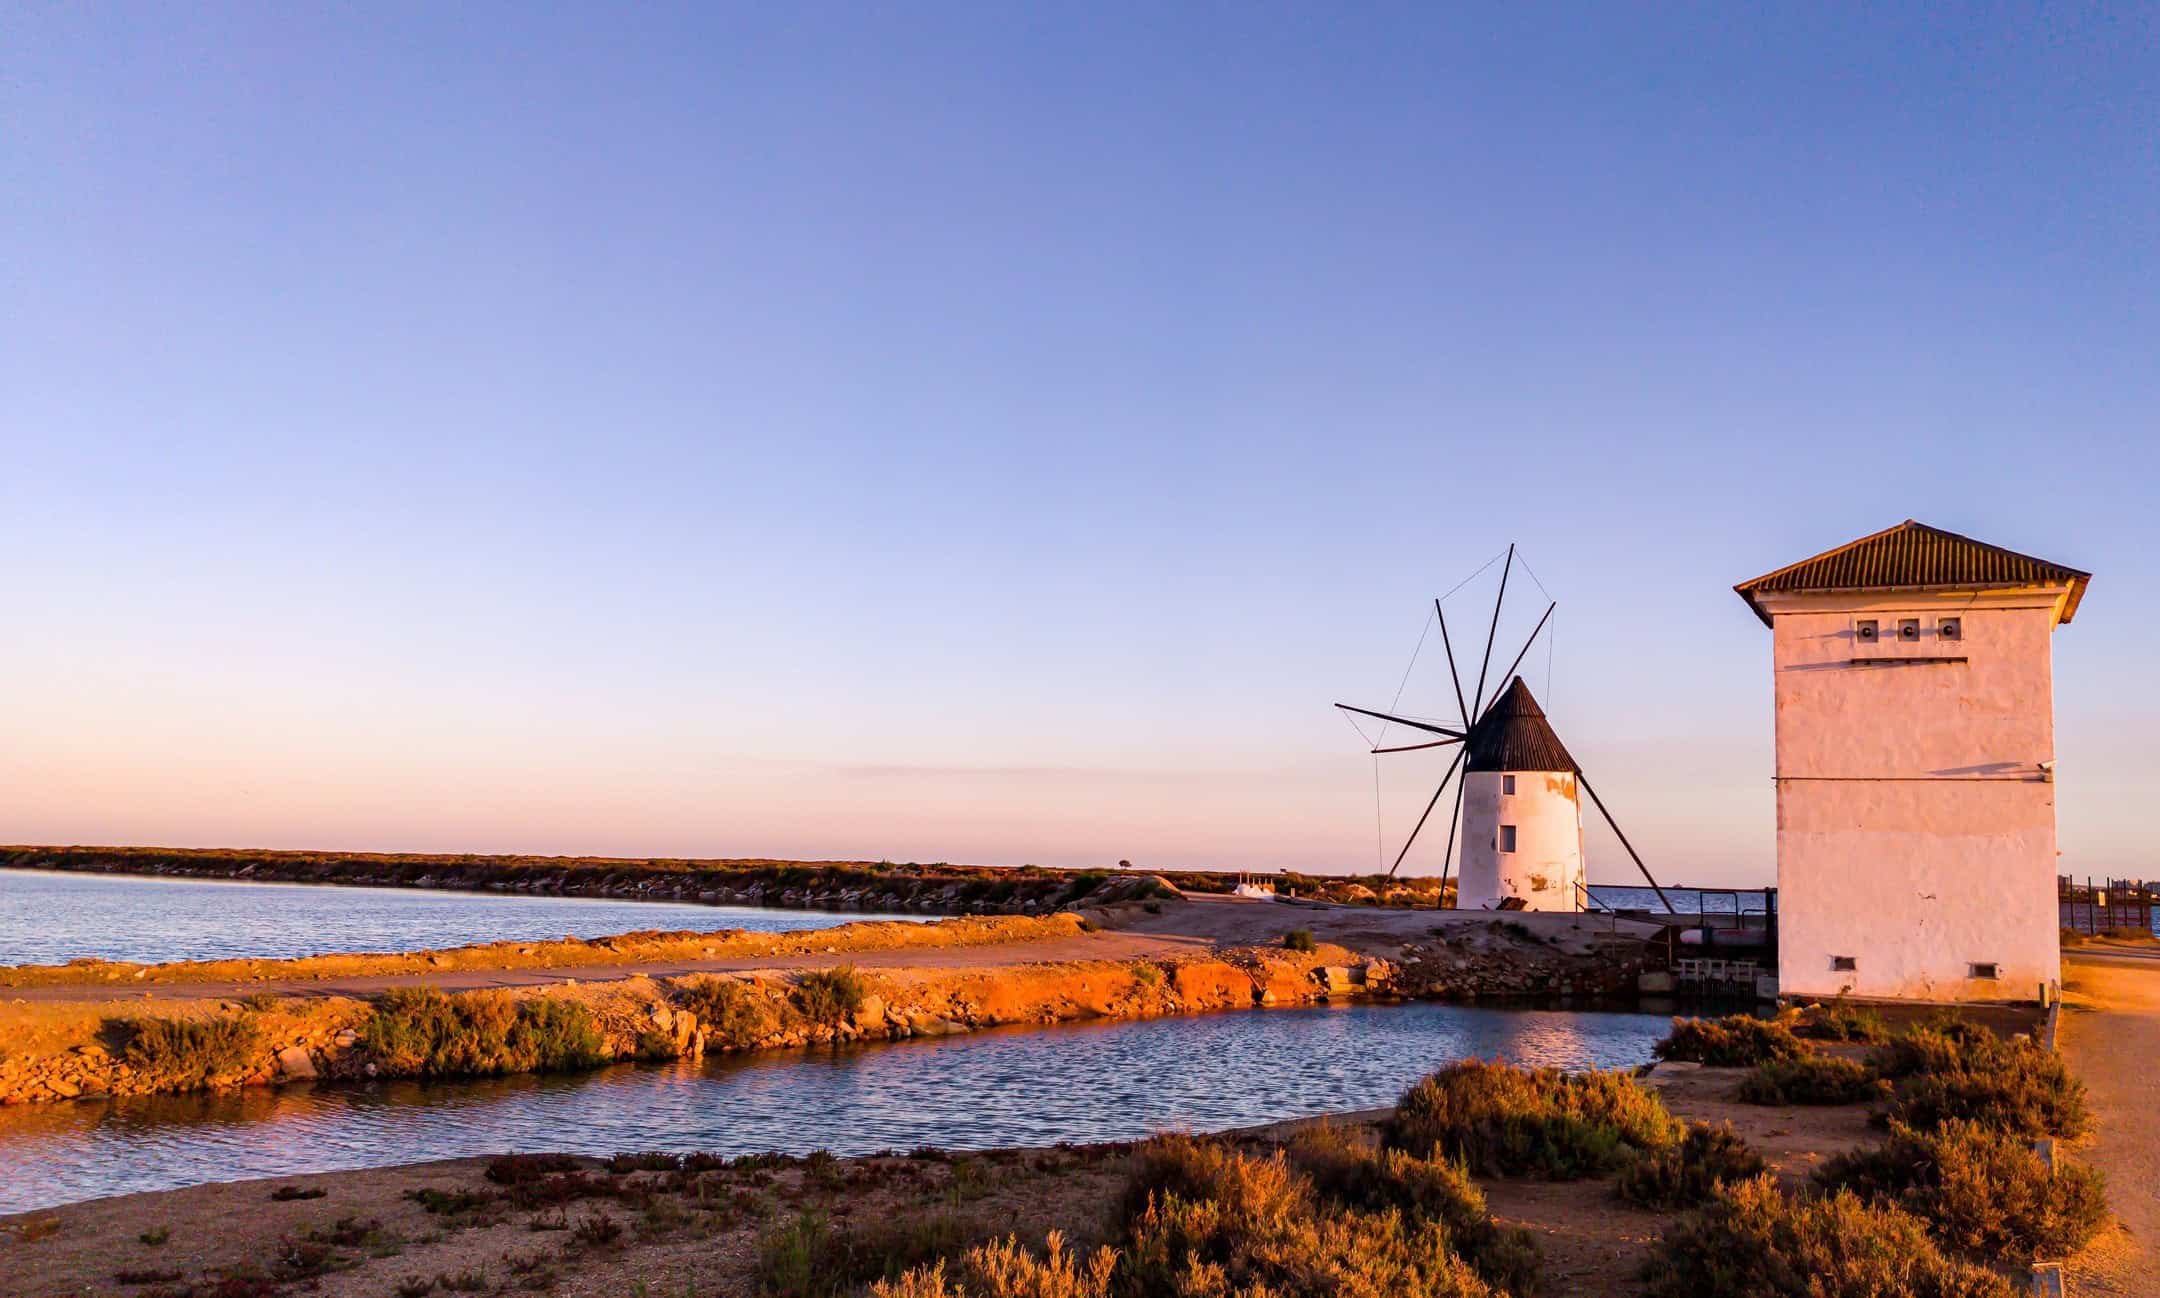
(49, 917)
(1106, 1081)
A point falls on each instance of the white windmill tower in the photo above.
(1519, 799)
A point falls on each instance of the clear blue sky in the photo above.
(999, 433)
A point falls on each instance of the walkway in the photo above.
(2110, 1033)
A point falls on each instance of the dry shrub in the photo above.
(1735, 1041)
(830, 996)
(1979, 1190)
(810, 1257)
(1752, 1239)
(1685, 1174)
(1007, 1270)
(1421, 1189)
(190, 1052)
(1960, 1072)
(735, 1016)
(1221, 1225)
(419, 1032)
(2122, 934)
(1810, 1079)
(1505, 1121)
(1838, 1021)
(2071, 937)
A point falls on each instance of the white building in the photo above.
(1522, 814)
(1915, 767)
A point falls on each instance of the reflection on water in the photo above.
(48, 917)
(1105, 1081)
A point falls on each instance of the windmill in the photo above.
(1517, 801)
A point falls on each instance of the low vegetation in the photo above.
(421, 1032)
(1735, 1041)
(1505, 1121)
(1839, 1021)
(1686, 1172)
(1809, 1079)
(1299, 939)
(1981, 1190)
(829, 996)
(1753, 1239)
(1950, 1072)
(189, 1052)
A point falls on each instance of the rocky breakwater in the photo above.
(935, 889)
(1503, 959)
(132, 1048)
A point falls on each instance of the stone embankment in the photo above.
(98, 1048)
(936, 889)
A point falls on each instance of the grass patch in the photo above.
(1686, 1173)
(1299, 939)
(810, 1257)
(1981, 1191)
(191, 1052)
(829, 996)
(1505, 1121)
(1752, 1239)
(1735, 1041)
(421, 1032)
(1809, 1079)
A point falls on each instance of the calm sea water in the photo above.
(1110, 1081)
(48, 917)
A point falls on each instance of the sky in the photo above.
(999, 433)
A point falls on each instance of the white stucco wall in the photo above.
(1916, 831)
(1546, 865)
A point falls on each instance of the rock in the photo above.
(64, 1088)
(346, 1038)
(870, 1016)
(295, 1061)
(662, 1017)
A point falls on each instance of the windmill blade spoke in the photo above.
(1425, 726)
(1447, 861)
(1501, 687)
(1411, 748)
(1584, 780)
(1428, 813)
(1494, 629)
(1454, 677)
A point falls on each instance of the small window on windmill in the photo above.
(1949, 628)
(1908, 630)
(1866, 633)
(1507, 838)
(1507, 784)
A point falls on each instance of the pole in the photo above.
(1622, 836)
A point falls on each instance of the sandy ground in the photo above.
(1593, 1244)
(1194, 926)
(2110, 1032)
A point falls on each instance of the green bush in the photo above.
(1735, 1041)
(190, 1052)
(420, 1032)
(1684, 1174)
(1979, 1190)
(810, 1257)
(1299, 939)
(1810, 1079)
(735, 1015)
(1752, 1239)
(829, 996)
(1506, 1121)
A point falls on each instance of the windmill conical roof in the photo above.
(1513, 735)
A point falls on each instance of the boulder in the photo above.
(296, 1062)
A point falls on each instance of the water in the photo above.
(48, 917)
(1016, 1086)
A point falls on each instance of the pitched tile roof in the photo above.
(1513, 735)
(1914, 555)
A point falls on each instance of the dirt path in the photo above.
(1191, 927)
(2110, 1032)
